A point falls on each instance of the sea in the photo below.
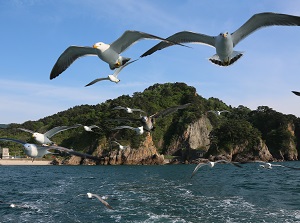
(158, 193)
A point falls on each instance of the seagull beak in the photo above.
(94, 46)
(224, 35)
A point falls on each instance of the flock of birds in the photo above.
(224, 44)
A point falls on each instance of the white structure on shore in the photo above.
(5, 153)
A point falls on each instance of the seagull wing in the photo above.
(26, 130)
(118, 107)
(94, 126)
(102, 201)
(262, 20)
(137, 109)
(182, 37)
(197, 168)
(116, 142)
(72, 152)
(123, 127)
(13, 140)
(169, 110)
(294, 168)
(130, 37)
(58, 129)
(71, 54)
(97, 80)
(118, 70)
(296, 93)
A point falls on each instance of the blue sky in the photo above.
(35, 32)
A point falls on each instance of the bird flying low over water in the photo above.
(296, 93)
(225, 42)
(128, 110)
(112, 77)
(36, 151)
(45, 138)
(101, 199)
(212, 164)
(138, 130)
(109, 53)
(218, 112)
(149, 121)
(267, 165)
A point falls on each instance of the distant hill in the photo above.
(278, 131)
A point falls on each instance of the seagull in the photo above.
(149, 121)
(112, 77)
(120, 146)
(296, 93)
(37, 151)
(270, 165)
(101, 199)
(109, 53)
(45, 138)
(218, 112)
(212, 164)
(225, 42)
(128, 110)
(90, 128)
(138, 130)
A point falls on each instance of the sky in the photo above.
(34, 33)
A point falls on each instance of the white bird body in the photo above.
(138, 130)
(218, 112)
(128, 110)
(36, 151)
(121, 147)
(45, 138)
(112, 77)
(109, 53)
(90, 128)
(101, 199)
(212, 164)
(225, 42)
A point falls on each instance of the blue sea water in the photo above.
(166, 193)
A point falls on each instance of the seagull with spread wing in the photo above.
(109, 53)
(218, 112)
(90, 128)
(149, 121)
(138, 130)
(112, 77)
(128, 110)
(121, 147)
(225, 42)
(212, 164)
(45, 138)
(36, 151)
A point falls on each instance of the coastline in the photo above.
(24, 162)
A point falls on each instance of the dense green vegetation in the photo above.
(240, 126)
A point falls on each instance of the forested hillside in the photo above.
(239, 126)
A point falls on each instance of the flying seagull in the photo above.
(218, 112)
(112, 77)
(101, 199)
(121, 147)
(128, 110)
(149, 121)
(296, 93)
(212, 164)
(109, 53)
(225, 42)
(45, 138)
(267, 165)
(138, 130)
(36, 151)
(90, 128)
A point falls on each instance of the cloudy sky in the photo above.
(35, 32)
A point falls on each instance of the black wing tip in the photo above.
(296, 93)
